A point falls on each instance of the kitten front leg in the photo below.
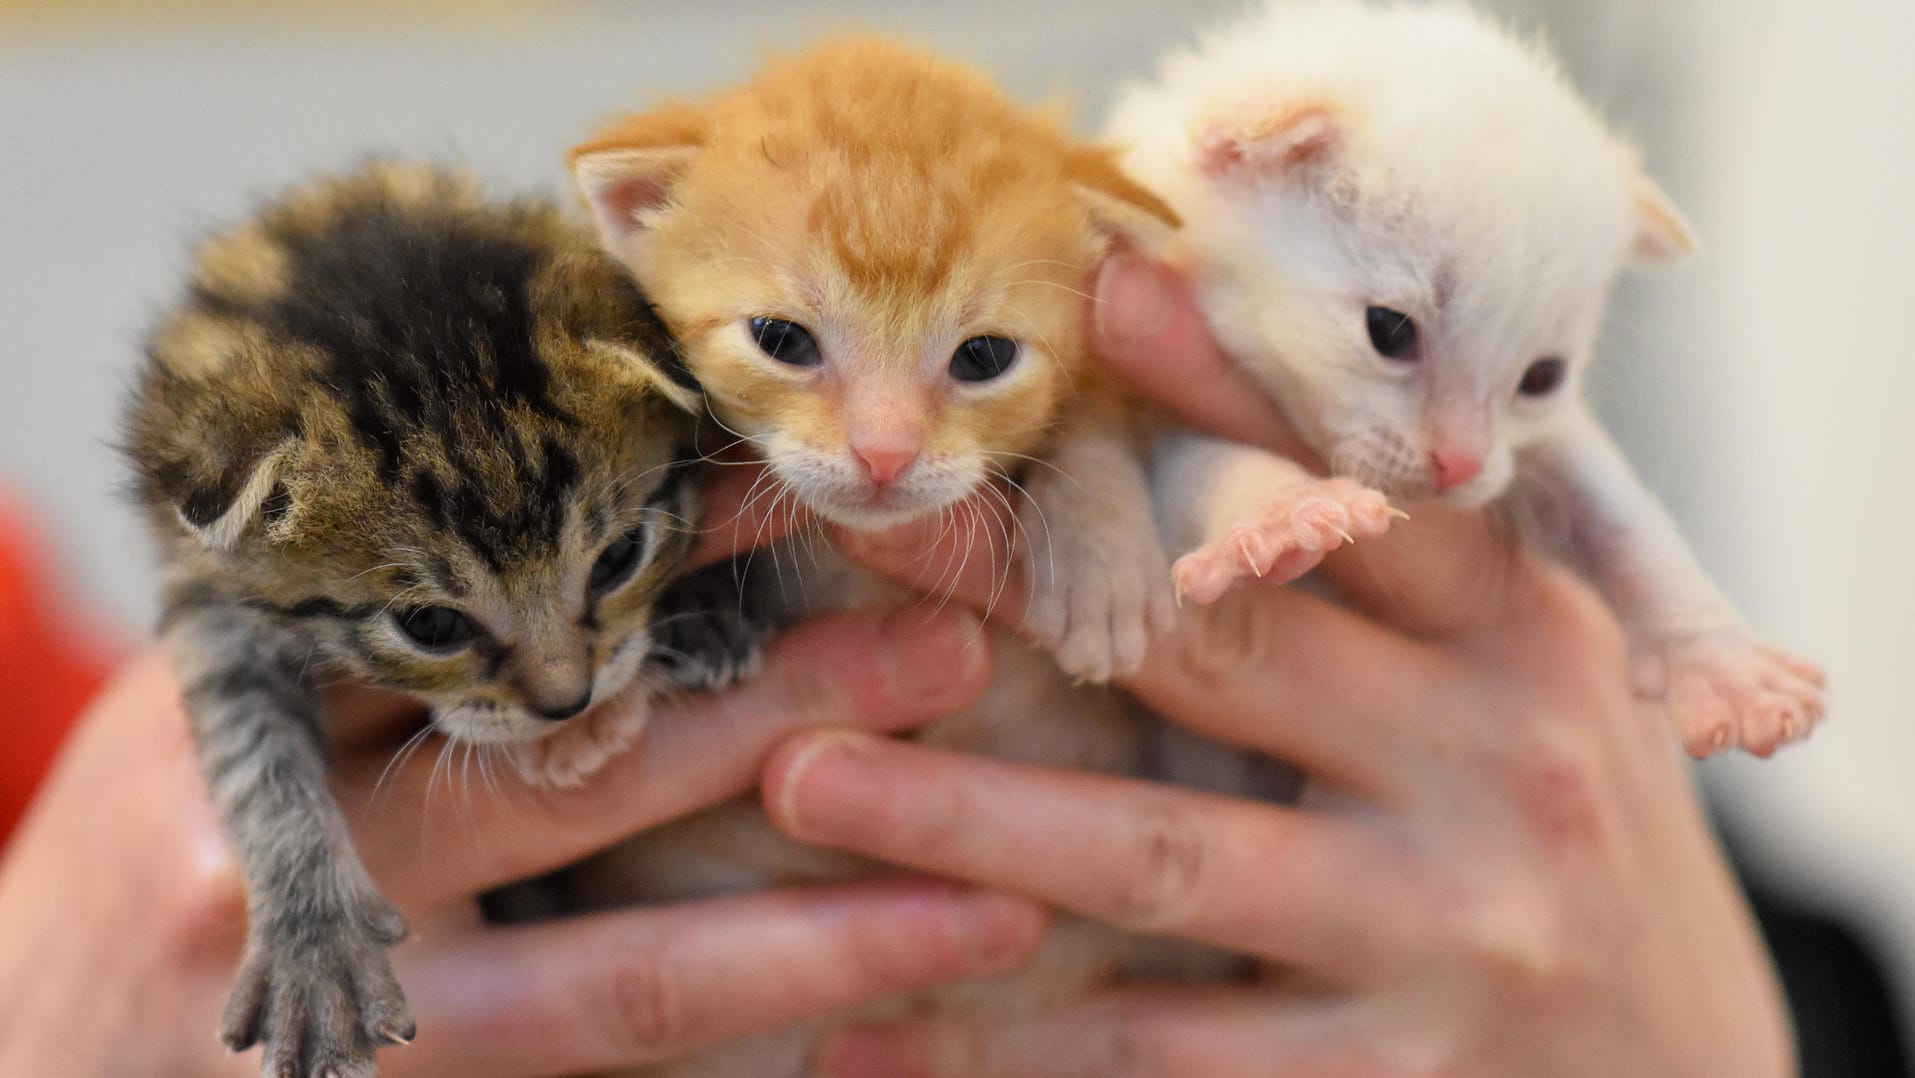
(315, 989)
(709, 627)
(1099, 577)
(1244, 513)
(1723, 686)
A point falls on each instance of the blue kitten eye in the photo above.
(616, 563)
(786, 342)
(1392, 333)
(981, 359)
(1543, 377)
(437, 628)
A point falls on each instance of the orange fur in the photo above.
(895, 205)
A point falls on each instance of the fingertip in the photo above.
(1133, 304)
(808, 781)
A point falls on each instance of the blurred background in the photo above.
(1759, 388)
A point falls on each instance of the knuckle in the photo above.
(808, 693)
(1221, 641)
(1555, 783)
(647, 1008)
(1159, 877)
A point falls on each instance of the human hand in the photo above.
(122, 915)
(1503, 868)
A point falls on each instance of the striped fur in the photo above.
(380, 396)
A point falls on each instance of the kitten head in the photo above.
(429, 434)
(1404, 222)
(875, 263)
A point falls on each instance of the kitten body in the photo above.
(887, 208)
(398, 434)
(1405, 225)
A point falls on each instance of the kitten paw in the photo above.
(319, 1004)
(1726, 690)
(707, 632)
(571, 753)
(1287, 537)
(1097, 598)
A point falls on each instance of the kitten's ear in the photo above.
(627, 173)
(671, 380)
(218, 509)
(1119, 205)
(1662, 235)
(1270, 143)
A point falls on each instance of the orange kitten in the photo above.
(826, 242)
(877, 264)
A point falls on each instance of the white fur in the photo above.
(1330, 156)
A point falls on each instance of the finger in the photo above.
(1277, 670)
(1296, 677)
(1147, 327)
(362, 717)
(1137, 1033)
(1144, 857)
(745, 507)
(1444, 571)
(623, 989)
(871, 670)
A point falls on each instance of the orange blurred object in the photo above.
(49, 667)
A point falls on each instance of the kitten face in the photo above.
(1409, 349)
(876, 266)
(434, 442)
(1411, 251)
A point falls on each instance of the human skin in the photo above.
(122, 914)
(1512, 876)
(1503, 868)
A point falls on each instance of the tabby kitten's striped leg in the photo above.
(315, 988)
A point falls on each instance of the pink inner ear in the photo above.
(1269, 141)
(623, 204)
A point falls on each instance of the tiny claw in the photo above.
(394, 1036)
(1347, 537)
(1788, 728)
(1721, 740)
(1398, 513)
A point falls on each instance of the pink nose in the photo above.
(884, 464)
(1454, 469)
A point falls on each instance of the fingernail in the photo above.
(875, 1052)
(1133, 301)
(832, 779)
(923, 656)
(995, 930)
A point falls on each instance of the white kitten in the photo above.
(1405, 224)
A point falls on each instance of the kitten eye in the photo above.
(1392, 333)
(616, 563)
(1542, 377)
(786, 342)
(437, 628)
(981, 359)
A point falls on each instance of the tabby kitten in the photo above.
(400, 434)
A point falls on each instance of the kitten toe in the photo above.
(1284, 538)
(317, 1000)
(1726, 690)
